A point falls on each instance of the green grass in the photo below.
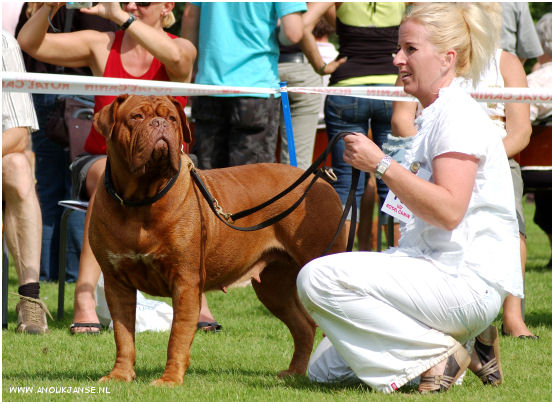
(241, 363)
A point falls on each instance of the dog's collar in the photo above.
(148, 201)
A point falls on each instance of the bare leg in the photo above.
(89, 270)
(22, 216)
(205, 314)
(512, 319)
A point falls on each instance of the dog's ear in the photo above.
(104, 120)
(187, 136)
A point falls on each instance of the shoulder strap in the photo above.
(66, 28)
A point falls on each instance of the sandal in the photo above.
(209, 327)
(487, 348)
(522, 336)
(456, 364)
(90, 327)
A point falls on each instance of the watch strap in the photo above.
(126, 24)
(383, 166)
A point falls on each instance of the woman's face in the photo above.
(422, 69)
(150, 14)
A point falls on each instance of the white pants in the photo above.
(391, 318)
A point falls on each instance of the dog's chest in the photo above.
(144, 271)
(123, 260)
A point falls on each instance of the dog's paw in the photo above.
(118, 376)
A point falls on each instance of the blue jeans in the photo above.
(54, 184)
(355, 115)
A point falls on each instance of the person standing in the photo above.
(21, 215)
(518, 35)
(367, 34)
(238, 45)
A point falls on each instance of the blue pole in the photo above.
(288, 123)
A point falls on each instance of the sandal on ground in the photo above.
(90, 327)
(209, 327)
(487, 348)
(508, 334)
(456, 364)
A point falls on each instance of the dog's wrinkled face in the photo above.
(147, 132)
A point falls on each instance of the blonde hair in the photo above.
(471, 29)
(168, 20)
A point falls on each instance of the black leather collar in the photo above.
(148, 201)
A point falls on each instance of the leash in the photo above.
(228, 219)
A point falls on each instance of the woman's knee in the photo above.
(309, 282)
(93, 175)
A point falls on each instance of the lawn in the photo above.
(241, 363)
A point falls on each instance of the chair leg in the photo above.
(5, 268)
(62, 261)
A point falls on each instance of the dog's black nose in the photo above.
(159, 122)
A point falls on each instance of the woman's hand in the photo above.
(110, 11)
(361, 152)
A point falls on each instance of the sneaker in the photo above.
(31, 316)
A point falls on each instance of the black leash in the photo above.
(228, 219)
(108, 184)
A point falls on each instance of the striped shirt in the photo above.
(17, 108)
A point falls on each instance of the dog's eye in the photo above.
(172, 118)
(137, 116)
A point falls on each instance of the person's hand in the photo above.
(54, 6)
(361, 152)
(331, 66)
(110, 11)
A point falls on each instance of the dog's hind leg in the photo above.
(277, 291)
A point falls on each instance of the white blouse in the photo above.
(486, 242)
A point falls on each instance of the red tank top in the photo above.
(96, 143)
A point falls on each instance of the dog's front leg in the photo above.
(122, 302)
(186, 308)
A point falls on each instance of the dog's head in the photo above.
(147, 132)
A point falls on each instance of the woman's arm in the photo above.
(309, 45)
(74, 49)
(177, 55)
(442, 203)
(189, 23)
(518, 123)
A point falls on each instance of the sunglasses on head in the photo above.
(138, 4)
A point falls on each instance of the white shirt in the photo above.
(17, 108)
(486, 242)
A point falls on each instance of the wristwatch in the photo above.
(383, 165)
(126, 24)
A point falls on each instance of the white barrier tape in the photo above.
(86, 85)
(497, 95)
(43, 83)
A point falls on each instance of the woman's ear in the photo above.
(449, 59)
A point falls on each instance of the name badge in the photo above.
(394, 206)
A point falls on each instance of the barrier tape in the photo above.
(43, 83)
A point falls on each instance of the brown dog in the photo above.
(176, 246)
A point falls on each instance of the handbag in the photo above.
(70, 120)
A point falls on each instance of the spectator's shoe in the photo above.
(487, 349)
(31, 316)
(456, 364)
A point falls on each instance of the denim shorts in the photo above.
(79, 170)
